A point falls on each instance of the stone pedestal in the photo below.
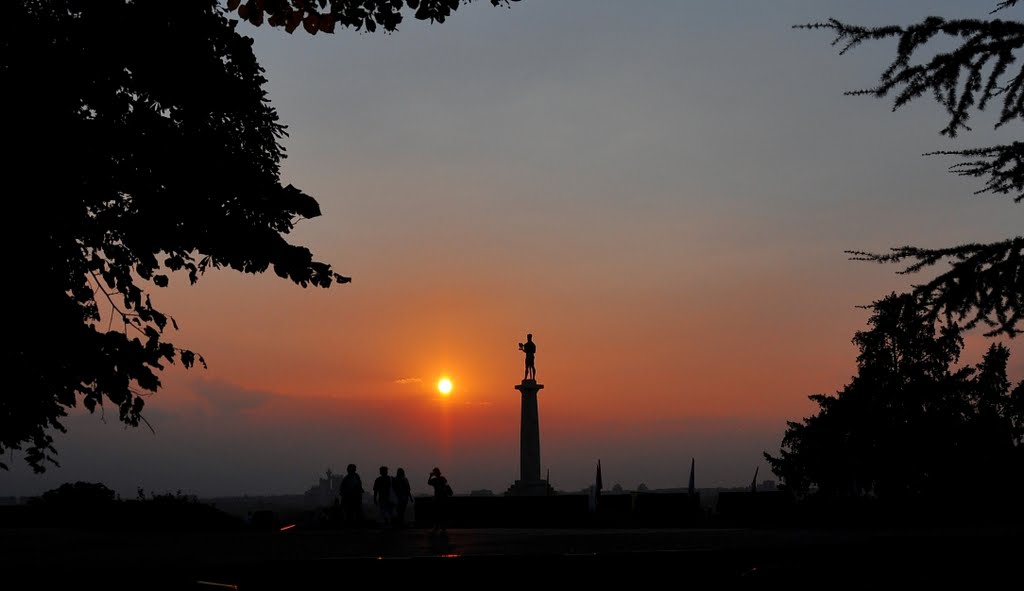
(530, 482)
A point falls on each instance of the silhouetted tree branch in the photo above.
(976, 72)
(984, 284)
(1003, 165)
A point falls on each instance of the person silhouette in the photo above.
(441, 493)
(352, 497)
(382, 496)
(530, 348)
(403, 494)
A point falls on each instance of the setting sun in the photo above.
(444, 386)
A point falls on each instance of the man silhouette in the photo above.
(352, 497)
(441, 493)
(382, 496)
(530, 348)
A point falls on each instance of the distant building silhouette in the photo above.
(324, 492)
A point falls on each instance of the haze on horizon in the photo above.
(662, 197)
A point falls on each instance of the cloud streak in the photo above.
(226, 398)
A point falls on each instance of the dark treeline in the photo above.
(93, 505)
(912, 424)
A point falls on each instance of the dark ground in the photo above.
(36, 558)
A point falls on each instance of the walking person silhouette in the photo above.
(352, 497)
(403, 494)
(441, 493)
(383, 496)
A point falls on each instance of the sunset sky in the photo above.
(661, 195)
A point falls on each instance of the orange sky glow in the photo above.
(665, 209)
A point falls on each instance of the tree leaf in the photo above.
(293, 21)
(327, 23)
(311, 23)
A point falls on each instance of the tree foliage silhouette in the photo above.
(78, 494)
(324, 15)
(984, 283)
(910, 422)
(141, 143)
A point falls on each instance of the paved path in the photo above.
(496, 558)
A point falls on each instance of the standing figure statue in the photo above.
(530, 348)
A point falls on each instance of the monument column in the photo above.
(529, 433)
(529, 483)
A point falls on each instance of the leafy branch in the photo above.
(323, 15)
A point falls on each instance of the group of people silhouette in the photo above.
(391, 496)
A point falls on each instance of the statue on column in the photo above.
(530, 348)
